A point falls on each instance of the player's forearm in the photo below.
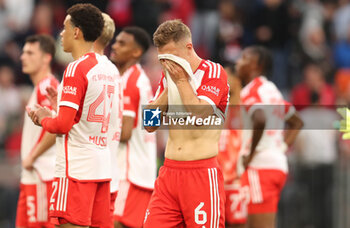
(46, 142)
(62, 123)
(127, 127)
(162, 103)
(258, 130)
(294, 125)
(257, 134)
(193, 104)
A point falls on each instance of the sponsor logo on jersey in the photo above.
(211, 89)
(70, 90)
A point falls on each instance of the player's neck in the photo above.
(99, 49)
(81, 48)
(40, 75)
(124, 67)
(252, 76)
(195, 61)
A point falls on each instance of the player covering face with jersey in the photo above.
(189, 190)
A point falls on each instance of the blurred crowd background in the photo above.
(310, 43)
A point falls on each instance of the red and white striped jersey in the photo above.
(137, 157)
(32, 135)
(270, 151)
(213, 87)
(89, 86)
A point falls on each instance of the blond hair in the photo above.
(108, 30)
(171, 30)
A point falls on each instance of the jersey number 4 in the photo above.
(107, 107)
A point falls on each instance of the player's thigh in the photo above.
(236, 225)
(69, 225)
(202, 198)
(264, 220)
(120, 225)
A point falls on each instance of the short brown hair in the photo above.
(46, 43)
(172, 30)
(108, 30)
(88, 18)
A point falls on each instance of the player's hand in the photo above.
(41, 113)
(52, 97)
(176, 72)
(28, 162)
(31, 114)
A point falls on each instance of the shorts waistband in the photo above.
(204, 163)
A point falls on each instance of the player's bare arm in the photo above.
(162, 103)
(294, 124)
(193, 104)
(127, 126)
(47, 142)
(259, 121)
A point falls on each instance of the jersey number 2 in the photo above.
(107, 107)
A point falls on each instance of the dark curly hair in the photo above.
(265, 61)
(88, 18)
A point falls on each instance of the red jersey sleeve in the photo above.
(74, 87)
(41, 90)
(62, 123)
(161, 87)
(131, 99)
(214, 88)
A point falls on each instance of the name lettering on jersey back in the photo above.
(211, 89)
(103, 77)
(70, 90)
(98, 140)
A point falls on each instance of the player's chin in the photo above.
(65, 49)
(26, 70)
(112, 57)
